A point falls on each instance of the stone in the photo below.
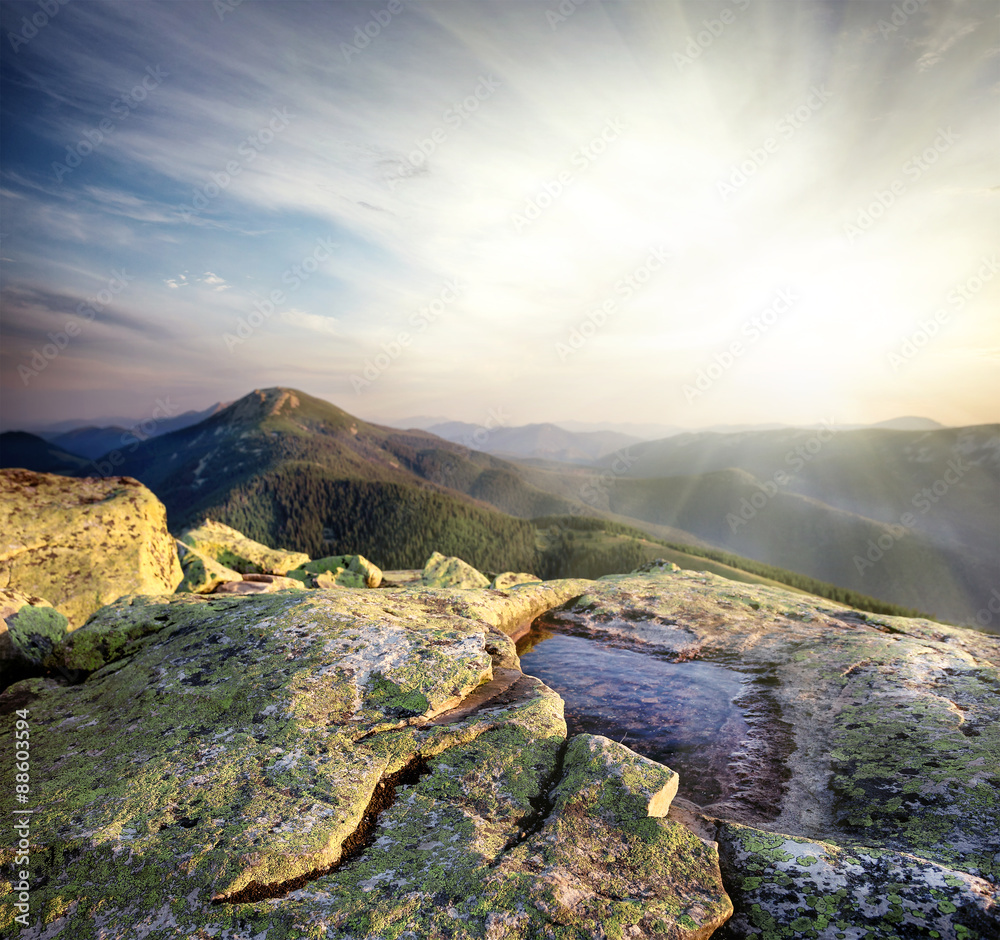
(202, 573)
(30, 630)
(343, 764)
(354, 571)
(234, 550)
(259, 584)
(451, 572)
(509, 578)
(786, 887)
(83, 543)
(864, 731)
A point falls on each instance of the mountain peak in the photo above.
(263, 403)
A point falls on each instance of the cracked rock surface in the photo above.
(373, 765)
(874, 742)
(344, 763)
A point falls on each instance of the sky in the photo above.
(691, 213)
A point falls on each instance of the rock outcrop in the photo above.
(310, 764)
(451, 572)
(202, 573)
(374, 764)
(509, 579)
(865, 796)
(83, 543)
(235, 551)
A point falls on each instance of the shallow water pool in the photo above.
(680, 714)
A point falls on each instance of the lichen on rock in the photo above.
(234, 550)
(451, 572)
(82, 543)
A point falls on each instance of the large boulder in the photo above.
(234, 550)
(82, 543)
(343, 764)
(451, 572)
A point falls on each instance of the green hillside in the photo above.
(310, 509)
(573, 546)
(298, 472)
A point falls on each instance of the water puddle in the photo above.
(682, 714)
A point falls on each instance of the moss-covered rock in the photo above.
(314, 748)
(30, 630)
(786, 887)
(82, 543)
(864, 730)
(354, 571)
(234, 550)
(449, 572)
(510, 578)
(202, 573)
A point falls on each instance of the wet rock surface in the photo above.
(355, 763)
(868, 734)
(301, 764)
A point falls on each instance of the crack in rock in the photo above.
(354, 845)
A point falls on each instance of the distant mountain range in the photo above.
(908, 516)
(93, 441)
(535, 441)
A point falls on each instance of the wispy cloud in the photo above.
(418, 155)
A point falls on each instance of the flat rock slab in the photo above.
(270, 765)
(887, 731)
(83, 543)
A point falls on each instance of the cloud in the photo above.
(310, 321)
(934, 55)
(418, 154)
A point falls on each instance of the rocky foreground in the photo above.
(320, 757)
